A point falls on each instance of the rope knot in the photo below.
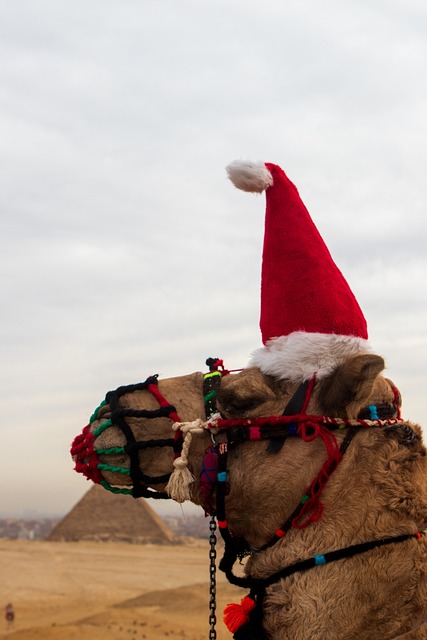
(196, 426)
(179, 483)
(179, 463)
(309, 431)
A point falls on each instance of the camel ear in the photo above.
(347, 390)
(242, 393)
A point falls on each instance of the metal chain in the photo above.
(212, 579)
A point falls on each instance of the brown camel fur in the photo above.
(378, 490)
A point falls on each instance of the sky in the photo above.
(125, 249)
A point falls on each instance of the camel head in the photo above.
(130, 444)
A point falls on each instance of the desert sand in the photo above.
(109, 591)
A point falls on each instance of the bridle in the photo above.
(245, 620)
(214, 477)
(294, 422)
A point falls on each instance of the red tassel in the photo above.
(236, 615)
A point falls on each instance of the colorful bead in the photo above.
(222, 476)
(320, 559)
(293, 429)
(373, 411)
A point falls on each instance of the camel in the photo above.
(303, 457)
(377, 492)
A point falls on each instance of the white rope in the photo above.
(179, 483)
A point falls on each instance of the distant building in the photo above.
(23, 529)
(103, 516)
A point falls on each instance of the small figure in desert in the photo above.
(9, 614)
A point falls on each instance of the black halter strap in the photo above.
(293, 408)
(253, 629)
(119, 417)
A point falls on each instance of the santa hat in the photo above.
(310, 320)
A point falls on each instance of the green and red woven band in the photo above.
(86, 456)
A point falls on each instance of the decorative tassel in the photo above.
(236, 615)
(179, 483)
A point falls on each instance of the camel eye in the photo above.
(231, 403)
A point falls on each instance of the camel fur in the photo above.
(378, 490)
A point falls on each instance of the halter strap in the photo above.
(296, 405)
(250, 625)
(212, 383)
(310, 507)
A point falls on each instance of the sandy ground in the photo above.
(109, 591)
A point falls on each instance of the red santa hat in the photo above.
(310, 320)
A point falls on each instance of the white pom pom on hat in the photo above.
(310, 320)
(250, 176)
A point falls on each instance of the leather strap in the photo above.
(293, 408)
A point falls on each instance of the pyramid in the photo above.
(103, 516)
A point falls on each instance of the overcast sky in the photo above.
(126, 251)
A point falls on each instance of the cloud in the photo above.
(126, 251)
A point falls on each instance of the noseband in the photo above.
(86, 456)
